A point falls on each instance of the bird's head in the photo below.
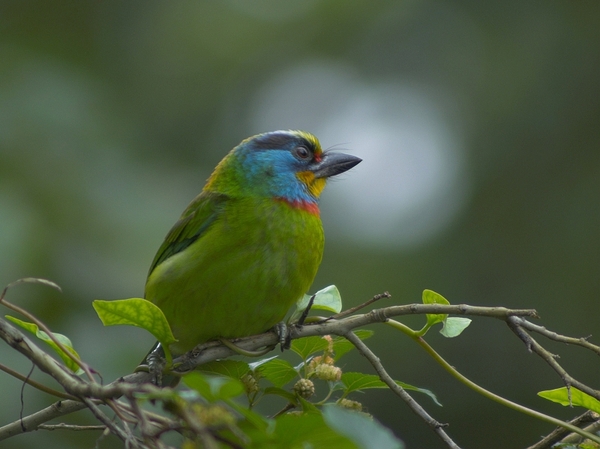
(289, 165)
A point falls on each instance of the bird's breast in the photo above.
(242, 275)
(286, 234)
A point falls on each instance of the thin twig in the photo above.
(289, 406)
(559, 433)
(50, 334)
(399, 391)
(35, 384)
(516, 325)
(198, 427)
(145, 426)
(306, 311)
(114, 429)
(205, 353)
(350, 311)
(33, 421)
(63, 426)
(154, 419)
(581, 341)
(573, 438)
(499, 399)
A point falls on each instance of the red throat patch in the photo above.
(308, 206)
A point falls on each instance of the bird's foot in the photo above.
(283, 333)
(154, 363)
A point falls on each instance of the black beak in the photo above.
(332, 164)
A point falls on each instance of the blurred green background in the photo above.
(478, 123)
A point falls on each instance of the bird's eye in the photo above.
(301, 152)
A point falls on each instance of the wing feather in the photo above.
(194, 221)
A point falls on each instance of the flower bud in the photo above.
(350, 404)
(328, 372)
(304, 388)
(250, 383)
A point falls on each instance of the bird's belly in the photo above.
(240, 278)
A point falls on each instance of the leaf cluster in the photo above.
(222, 405)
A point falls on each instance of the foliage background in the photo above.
(477, 123)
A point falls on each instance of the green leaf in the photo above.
(136, 312)
(307, 430)
(308, 407)
(328, 299)
(454, 325)
(578, 398)
(341, 346)
(278, 372)
(235, 369)
(360, 381)
(64, 340)
(366, 433)
(305, 347)
(431, 297)
(213, 388)
(290, 397)
(256, 420)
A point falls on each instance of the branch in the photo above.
(351, 310)
(582, 341)
(34, 384)
(558, 435)
(89, 394)
(33, 421)
(517, 325)
(40, 324)
(499, 399)
(205, 353)
(398, 390)
(63, 426)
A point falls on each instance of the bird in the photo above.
(249, 245)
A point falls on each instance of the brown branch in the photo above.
(127, 438)
(355, 309)
(559, 433)
(399, 391)
(581, 341)
(63, 426)
(36, 385)
(33, 421)
(343, 323)
(574, 438)
(516, 325)
(42, 326)
(210, 351)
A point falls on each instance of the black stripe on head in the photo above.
(280, 141)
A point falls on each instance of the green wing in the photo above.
(196, 219)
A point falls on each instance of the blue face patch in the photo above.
(272, 173)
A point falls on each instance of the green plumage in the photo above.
(243, 273)
(249, 246)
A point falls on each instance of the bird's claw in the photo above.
(283, 333)
(156, 364)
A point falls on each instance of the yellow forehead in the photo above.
(312, 140)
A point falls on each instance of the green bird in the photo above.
(249, 246)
